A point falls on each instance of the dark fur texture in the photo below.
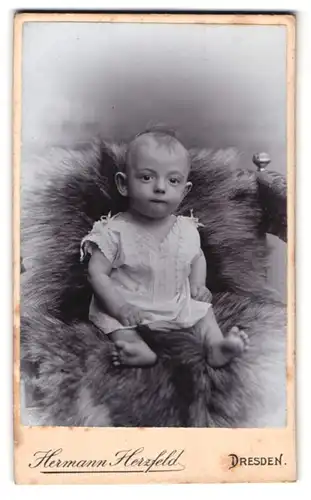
(67, 358)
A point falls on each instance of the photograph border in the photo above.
(84, 443)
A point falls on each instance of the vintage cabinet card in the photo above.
(154, 292)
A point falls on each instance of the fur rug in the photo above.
(65, 356)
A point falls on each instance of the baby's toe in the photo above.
(244, 337)
(120, 346)
(234, 331)
(115, 356)
(247, 340)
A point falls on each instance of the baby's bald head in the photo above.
(157, 138)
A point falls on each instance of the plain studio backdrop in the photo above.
(221, 86)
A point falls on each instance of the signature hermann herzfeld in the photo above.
(53, 461)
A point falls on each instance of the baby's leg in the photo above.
(222, 349)
(130, 349)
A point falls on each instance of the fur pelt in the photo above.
(66, 356)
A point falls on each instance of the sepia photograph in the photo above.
(152, 162)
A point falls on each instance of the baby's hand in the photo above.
(130, 315)
(201, 293)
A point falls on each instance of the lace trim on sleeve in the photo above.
(101, 236)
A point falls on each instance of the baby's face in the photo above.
(157, 179)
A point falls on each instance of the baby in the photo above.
(146, 266)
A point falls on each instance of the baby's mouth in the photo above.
(158, 201)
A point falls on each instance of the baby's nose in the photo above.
(159, 186)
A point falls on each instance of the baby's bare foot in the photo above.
(131, 354)
(231, 346)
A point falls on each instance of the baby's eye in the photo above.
(146, 177)
(174, 181)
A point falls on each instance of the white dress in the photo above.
(150, 275)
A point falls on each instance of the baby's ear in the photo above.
(188, 188)
(121, 183)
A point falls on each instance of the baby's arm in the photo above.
(99, 269)
(197, 280)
